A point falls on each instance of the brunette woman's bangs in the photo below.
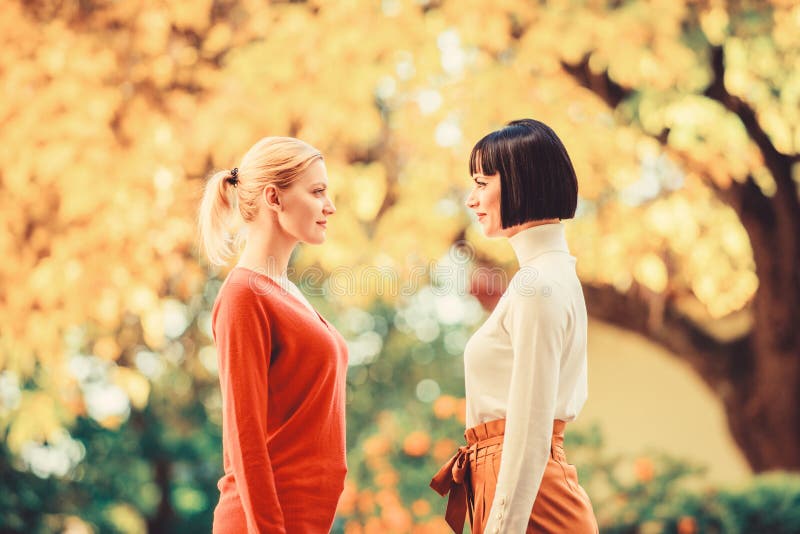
(484, 157)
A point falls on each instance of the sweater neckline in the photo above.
(285, 292)
(536, 240)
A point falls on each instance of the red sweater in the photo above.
(282, 371)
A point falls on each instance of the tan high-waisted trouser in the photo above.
(561, 506)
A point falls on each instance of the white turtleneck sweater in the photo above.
(527, 364)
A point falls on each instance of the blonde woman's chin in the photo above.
(317, 238)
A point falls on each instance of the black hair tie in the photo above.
(234, 177)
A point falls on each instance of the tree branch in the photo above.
(779, 164)
(716, 362)
(765, 219)
(600, 84)
(779, 220)
(612, 94)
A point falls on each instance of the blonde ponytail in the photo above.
(272, 160)
(215, 217)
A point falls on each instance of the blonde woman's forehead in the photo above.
(315, 173)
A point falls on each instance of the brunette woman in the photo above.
(525, 367)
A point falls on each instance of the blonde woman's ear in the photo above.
(271, 198)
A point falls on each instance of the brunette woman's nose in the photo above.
(470, 202)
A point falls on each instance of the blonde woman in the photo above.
(282, 366)
(525, 367)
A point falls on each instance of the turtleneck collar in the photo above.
(536, 240)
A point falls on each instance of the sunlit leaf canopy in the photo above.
(114, 113)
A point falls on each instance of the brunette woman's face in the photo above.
(484, 200)
(305, 205)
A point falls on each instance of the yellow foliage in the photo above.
(366, 189)
(651, 272)
(127, 519)
(113, 119)
(134, 384)
(190, 14)
(43, 421)
(107, 348)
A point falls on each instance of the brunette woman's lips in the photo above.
(480, 215)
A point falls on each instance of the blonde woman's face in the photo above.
(306, 205)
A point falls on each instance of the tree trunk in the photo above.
(164, 518)
(765, 417)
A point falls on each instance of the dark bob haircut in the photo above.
(537, 180)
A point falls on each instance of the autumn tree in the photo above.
(748, 55)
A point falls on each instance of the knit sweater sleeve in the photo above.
(242, 335)
(536, 324)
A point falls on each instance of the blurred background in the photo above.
(682, 118)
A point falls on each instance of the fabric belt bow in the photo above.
(453, 478)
